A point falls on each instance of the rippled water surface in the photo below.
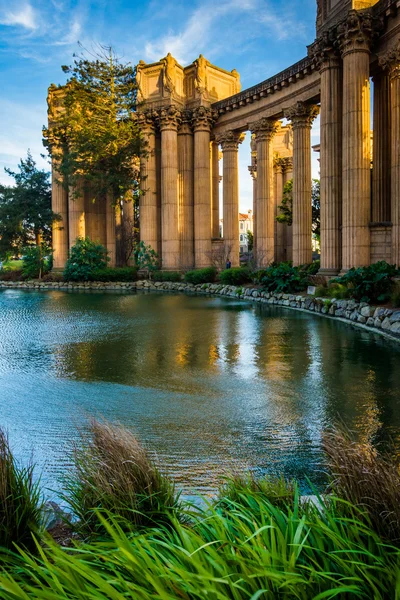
(207, 383)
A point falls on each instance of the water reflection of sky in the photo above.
(209, 384)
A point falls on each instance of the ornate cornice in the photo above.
(202, 118)
(302, 114)
(357, 32)
(230, 140)
(169, 118)
(264, 129)
(390, 61)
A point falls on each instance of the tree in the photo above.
(25, 208)
(250, 240)
(286, 206)
(92, 135)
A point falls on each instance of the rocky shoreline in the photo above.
(380, 320)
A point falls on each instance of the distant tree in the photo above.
(26, 216)
(93, 136)
(250, 240)
(286, 206)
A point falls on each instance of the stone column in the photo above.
(253, 173)
(76, 214)
(355, 37)
(265, 130)
(280, 230)
(59, 205)
(185, 190)
(169, 119)
(391, 61)
(215, 179)
(381, 150)
(110, 231)
(148, 205)
(302, 117)
(202, 120)
(230, 144)
(287, 176)
(331, 156)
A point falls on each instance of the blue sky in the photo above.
(257, 37)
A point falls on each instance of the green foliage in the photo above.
(167, 276)
(327, 304)
(20, 500)
(321, 291)
(113, 473)
(286, 207)
(36, 261)
(206, 275)
(239, 489)
(94, 138)
(395, 299)
(25, 209)
(283, 278)
(338, 291)
(114, 274)
(146, 257)
(85, 258)
(312, 268)
(11, 275)
(370, 284)
(235, 276)
(250, 240)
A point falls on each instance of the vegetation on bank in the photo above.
(257, 539)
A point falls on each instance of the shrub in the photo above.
(338, 291)
(240, 488)
(85, 258)
(312, 268)
(36, 261)
(167, 276)
(10, 275)
(207, 275)
(235, 276)
(284, 278)
(20, 501)
(146, 257)
(365, 479)
(53, 277)
(370, 284)
(114, 274)
(113, 473)
(321, 291)
(395, 299)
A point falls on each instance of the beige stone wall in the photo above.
(381, 243)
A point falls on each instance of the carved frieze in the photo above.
(302, 114)
(390, 61)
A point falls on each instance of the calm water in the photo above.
(207, 383)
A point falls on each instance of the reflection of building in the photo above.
(245, 225)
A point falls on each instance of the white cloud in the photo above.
(23, 17)
(72, 36)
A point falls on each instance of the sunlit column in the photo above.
(59, 205)
(148, 204)
(185, 190)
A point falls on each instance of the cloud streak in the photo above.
(24, 16)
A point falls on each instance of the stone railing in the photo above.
(271, 85)
(376, 319)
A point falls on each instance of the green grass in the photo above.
(13, 265)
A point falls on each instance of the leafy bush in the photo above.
(114, 274)
(20, 501)
(235, 276)
(321, 291)
(284, 278)
(370, 284)
(167, 276)
(113, 473)
(36, 261)
(395, 299)
(207, 275)
(146, 257)
(85, 258)
(312, 268)
(338, 291)
(57, 277)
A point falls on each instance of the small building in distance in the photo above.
(245, 225)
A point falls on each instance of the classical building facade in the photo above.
(190, 114)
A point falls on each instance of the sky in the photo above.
(259, 38)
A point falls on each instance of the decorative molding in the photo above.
(253, 171)
(264, 129)
(230, 140)
(146, 121)
(202, 118)
(390, 61)
(302, 114)
(323, 52)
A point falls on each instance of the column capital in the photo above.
(230, 140)
(202, 118)
(302, 114)
(279, 164)
(324, 53)
(287, 164)
(390, 61)
(169, 118)
(264, 129)
(185, 123)
(357, 32)
(147, 121)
